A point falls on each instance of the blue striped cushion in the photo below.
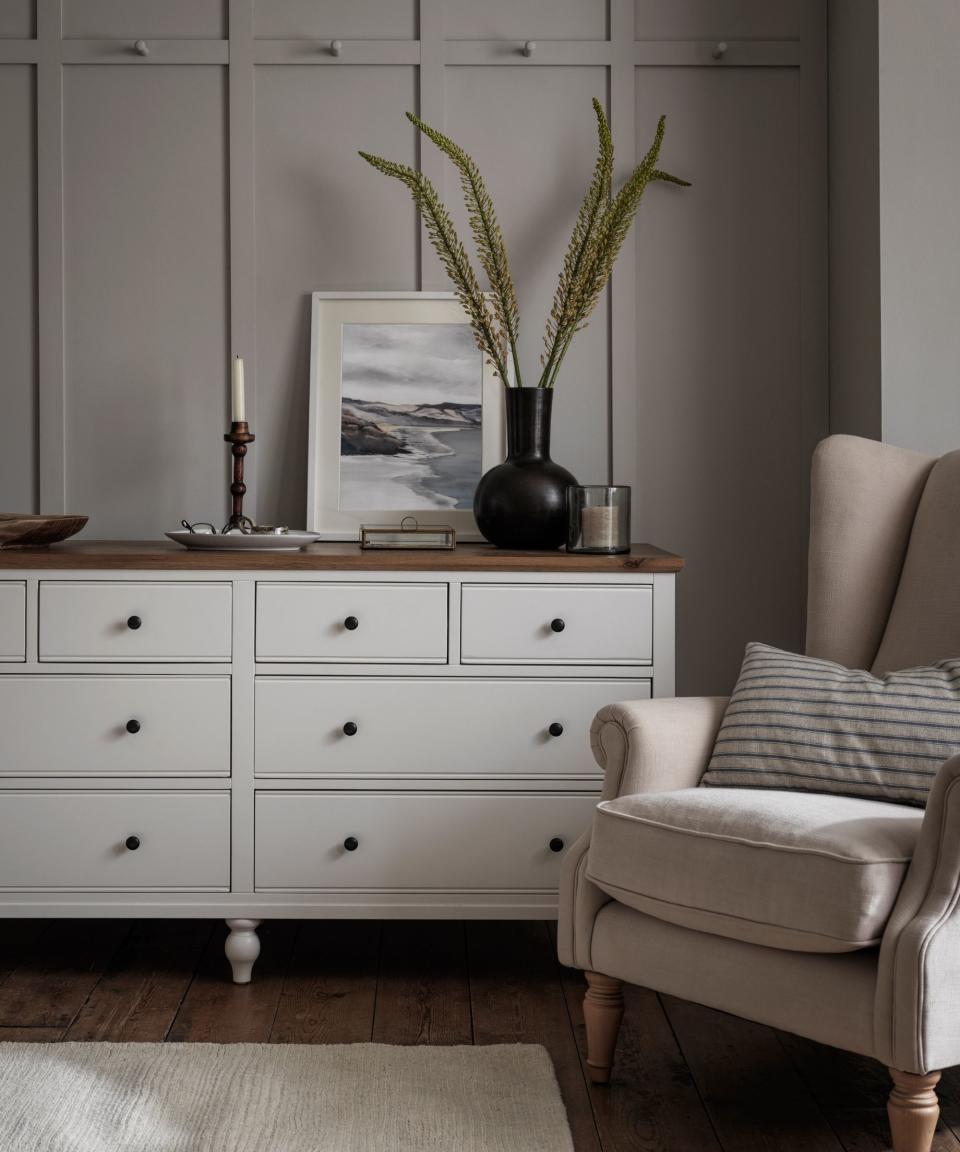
(800, 724)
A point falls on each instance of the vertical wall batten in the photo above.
(625, 385)
(243, 287)
(50, 359)
(432, 277)
(814, 348)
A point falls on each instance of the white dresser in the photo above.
(327, 733)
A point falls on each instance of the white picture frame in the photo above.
(330, 311)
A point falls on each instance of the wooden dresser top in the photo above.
(157, 555)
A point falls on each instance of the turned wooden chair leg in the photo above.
(602, 1013)
(913, 1110)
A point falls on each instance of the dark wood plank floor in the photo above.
(687, 1079)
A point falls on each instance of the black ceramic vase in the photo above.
(522, 503)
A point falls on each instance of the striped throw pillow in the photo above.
(799, 724)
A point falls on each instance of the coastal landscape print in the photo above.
(410, 416)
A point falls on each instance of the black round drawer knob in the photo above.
(351, 623)
(134, 622)
(555, 729)
(556, 844)
(132, 843)
(557, 625)
(133, 727)
(351, 843)
(349, 729)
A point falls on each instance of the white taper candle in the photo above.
(239, 407)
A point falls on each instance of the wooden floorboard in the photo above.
(755, 1097)
(685, 1079)
(516, 995)
(217, 1011)
(57, 971)
(140, 993)
(330, 990)
(30, 1035)
(423, 989)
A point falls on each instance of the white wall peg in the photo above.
(141, 48)
(529, 47)
(336, 47)
(720, 50)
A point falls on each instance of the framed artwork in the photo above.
(405, 415)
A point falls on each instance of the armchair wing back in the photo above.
(863, 500)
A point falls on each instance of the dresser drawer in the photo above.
(425, 841)
(556, 624)
(115, 725)
(345, 623)
(78, 840)
(423, 727)
(134, 620)
(13, 620)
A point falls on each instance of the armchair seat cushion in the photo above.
(806, 872)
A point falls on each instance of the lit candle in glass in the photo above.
(599, 518)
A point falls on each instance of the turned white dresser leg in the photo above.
(242, 948)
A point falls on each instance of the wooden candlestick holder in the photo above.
(238, 438)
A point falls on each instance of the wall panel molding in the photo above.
(814, 247)
(546, 54)
(318, 54)
(449, 59)
(19, 51)
(431, 111)
(701, 53)
(52, 430)
(243, 262)
(624, 396)
(122, 52)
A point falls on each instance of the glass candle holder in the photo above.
(599, 518)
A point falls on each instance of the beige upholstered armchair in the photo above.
(832, 917)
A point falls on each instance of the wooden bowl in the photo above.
(30, 531)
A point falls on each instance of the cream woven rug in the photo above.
(279, 1098)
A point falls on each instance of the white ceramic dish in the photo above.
(207, 541)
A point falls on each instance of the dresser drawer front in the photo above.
(13, 620)
(424, 728)
(557, 624)
(115, 725)
(134, 620)
(464, 842)
(347, 623)
(77, 840)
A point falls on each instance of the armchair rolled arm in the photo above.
(917, 1016)
(642, 746)
(655, 745)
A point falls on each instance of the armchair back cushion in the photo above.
(800, 724)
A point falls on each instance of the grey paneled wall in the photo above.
(18, 284)
(323, 223)
(727, 403)
(163, 211)
(146, 330)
